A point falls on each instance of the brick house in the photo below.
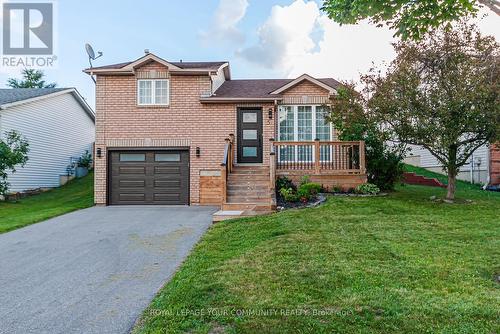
(186, 133)
(494, 161)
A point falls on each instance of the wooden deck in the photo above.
(338, 164)
(250, 190)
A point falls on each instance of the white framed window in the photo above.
(303, 123)
(153, 92)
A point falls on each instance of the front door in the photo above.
(249, 135)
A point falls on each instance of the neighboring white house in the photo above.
(476, 170)
(59, 126)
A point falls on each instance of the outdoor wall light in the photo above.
(198, 152)
(270, 113)
(99, 152)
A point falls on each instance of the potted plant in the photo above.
(83, 165)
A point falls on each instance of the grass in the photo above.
(77, 194)
(440, 177)
(395, 264)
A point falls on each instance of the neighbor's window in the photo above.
(153, 92)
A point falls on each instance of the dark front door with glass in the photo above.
(249, 135)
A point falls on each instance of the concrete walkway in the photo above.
(94, 270)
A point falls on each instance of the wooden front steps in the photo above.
(248, 193)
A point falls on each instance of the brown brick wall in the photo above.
(494, 164)
(186, 122)
(120, 123)
(306, 88)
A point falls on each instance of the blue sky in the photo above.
(260, 38)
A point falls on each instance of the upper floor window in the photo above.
(153, 92)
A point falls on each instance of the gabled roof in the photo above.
(148, 58)
(211, 65)
(11, 97)
(174, 67)
(303, 77)
(260, 89)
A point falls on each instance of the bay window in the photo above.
(303, 123)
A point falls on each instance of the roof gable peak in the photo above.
(147, 58)
(298, 80)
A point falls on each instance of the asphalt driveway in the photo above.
(94, 270)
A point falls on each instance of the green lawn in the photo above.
(441, 177)
(395, 264)
(77, 194)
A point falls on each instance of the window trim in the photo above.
(153, 92)
(295, 108)
(295, 121)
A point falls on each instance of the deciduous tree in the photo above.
(410, 19)
(13, 152)
(442, 93)
(352, 121)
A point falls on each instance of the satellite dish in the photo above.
(92, 56)
(90, 51)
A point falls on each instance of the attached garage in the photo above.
(159, 177)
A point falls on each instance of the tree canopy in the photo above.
(31, 79)
(410, 19)
(13, 152)
(442, 93)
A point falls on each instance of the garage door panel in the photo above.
(175, 197)
(132, 183)
(169, 184)
(167, 170)
(130, 197)
(161, 178)
(132, 170)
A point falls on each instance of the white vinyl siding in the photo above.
(427, 160)
(423, 158)
(57, 129)
(153, 92)
(217, 80)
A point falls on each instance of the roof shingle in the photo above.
(210, 65)
(258, 88)
(10, 95)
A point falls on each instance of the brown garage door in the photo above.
(149, 177)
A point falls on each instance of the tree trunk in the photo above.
(452, 177)
(452, 171)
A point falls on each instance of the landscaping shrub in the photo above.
(336, 189)
(303, 195)
(311, 188)
(289, 194)
(367, 189)
(284, 183)
(348, 114)
(85, 160)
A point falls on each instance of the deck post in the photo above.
(272, 168)
(229, 155)
(316, 156)
(223, 176)
(272, 171)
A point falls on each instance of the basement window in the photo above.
(153, 92)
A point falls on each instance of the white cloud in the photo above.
(299, 38)
(226, 18)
